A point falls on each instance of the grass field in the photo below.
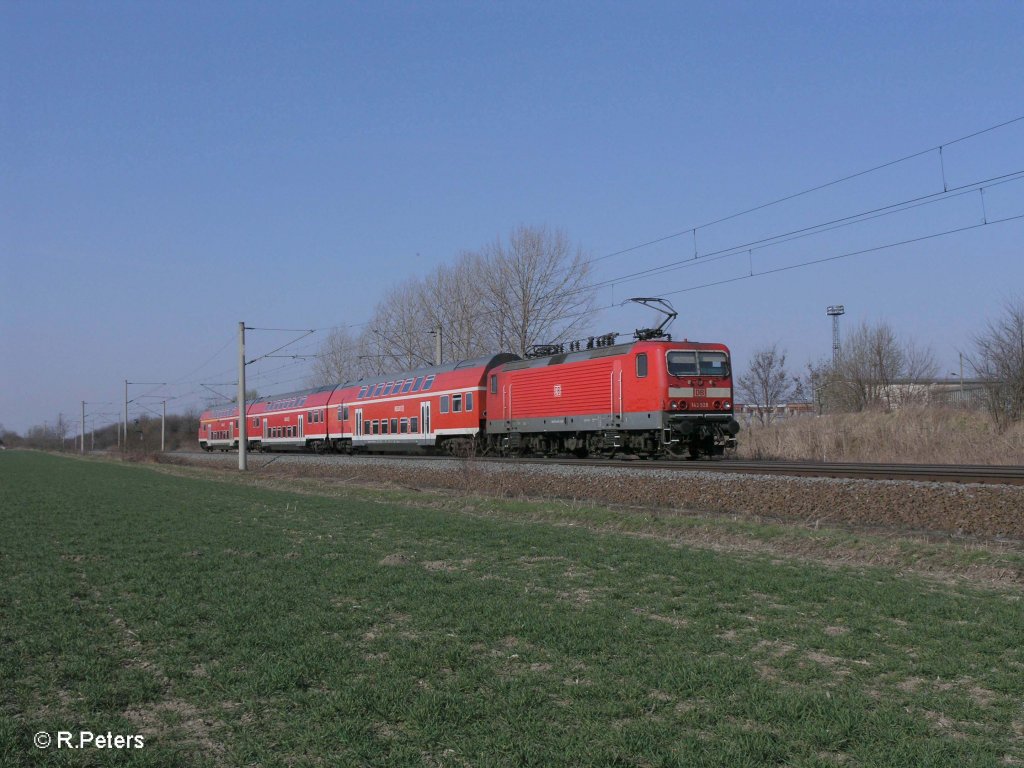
(234, 624)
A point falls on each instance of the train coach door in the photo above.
(425, 417)
(301, 432)
(615, 401)
(359, 422)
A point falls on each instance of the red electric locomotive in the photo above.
(647, 397)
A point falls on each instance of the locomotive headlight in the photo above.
(675, 404)
(728, 406)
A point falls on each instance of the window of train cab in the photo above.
(494, 383)
(641, 365)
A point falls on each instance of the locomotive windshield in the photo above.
(686, 363)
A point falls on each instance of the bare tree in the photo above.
(999, 362)
(767, 383)
(535, 288)
(509, 296)
(451, 301)
(876, 370)
(398, 333)
(337, 360)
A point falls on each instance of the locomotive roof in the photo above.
(486, 363)
(571, 357)
(591, 354)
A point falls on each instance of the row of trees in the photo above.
(532, 287)
(879, 371)
(180, 430)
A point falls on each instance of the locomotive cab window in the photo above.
(714, 364)
(682, 363)
(641, 365)
(494, 384)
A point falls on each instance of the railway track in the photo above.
(935, 473)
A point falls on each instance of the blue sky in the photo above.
(168, 169)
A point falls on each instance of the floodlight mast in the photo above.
(835, 311)
(661, 305)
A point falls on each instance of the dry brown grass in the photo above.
(910, 435)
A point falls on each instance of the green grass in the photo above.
(238, 625)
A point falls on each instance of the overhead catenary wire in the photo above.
(693, 229)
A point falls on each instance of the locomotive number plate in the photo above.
(699, 405)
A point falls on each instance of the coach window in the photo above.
(384, 427)
(414, 424)
(444, 403)
(367, 427)
(407, 387)
(428, 382)
(394, 426)
(405, 426)
(256, 421)
(362, 392)
(641, 365)
(469, 402)
(494, 384)
(416, 385)
(378, 389)
(457, 403)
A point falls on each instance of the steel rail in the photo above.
(934, 473)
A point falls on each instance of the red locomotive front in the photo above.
(648, 397)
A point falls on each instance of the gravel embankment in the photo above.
(967, 510)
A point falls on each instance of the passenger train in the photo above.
(650, 397)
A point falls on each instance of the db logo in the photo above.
(700, 392)
(558, 390)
